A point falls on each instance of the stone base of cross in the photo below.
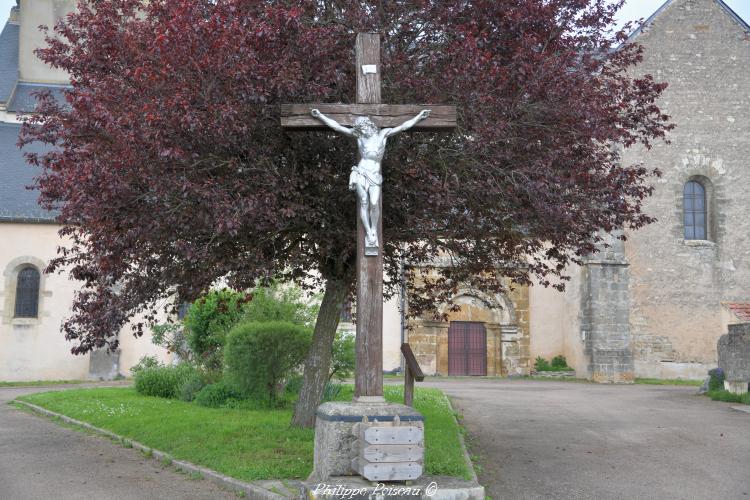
(333, 437)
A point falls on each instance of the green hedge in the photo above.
(259, 357)
(164, 381)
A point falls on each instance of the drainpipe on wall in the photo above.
(402, 306)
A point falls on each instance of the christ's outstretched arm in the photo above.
(407, 124)
(332, 123)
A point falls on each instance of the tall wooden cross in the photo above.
(369, 341)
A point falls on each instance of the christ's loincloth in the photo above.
(361, 177)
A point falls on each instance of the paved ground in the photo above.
(584, 441)
(535, 440)
(40, 459)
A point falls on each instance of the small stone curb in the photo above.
(467, 457)
(744, 409)
(251, 490)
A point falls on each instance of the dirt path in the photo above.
(40, 459)
(571, 440)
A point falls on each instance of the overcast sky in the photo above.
(633, 10)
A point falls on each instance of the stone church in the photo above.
(653, 306)
(656, 305)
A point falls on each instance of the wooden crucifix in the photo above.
(371, 123)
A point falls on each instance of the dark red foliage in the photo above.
(171, 170)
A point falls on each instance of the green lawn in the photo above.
(242, 443)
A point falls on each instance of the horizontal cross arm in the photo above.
(297, 116)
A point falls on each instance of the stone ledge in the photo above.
(560, 374)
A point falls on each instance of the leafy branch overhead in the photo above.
(171, 170)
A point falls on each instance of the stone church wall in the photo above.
(677, 286)
(35, 348)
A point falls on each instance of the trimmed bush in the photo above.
(163, 381)
(216, 395)
(259, 357)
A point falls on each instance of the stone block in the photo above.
(734, 357)
(335, 438)
(104, 365)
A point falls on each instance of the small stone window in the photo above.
(695, 212)
(27, 293)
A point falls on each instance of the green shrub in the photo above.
(559, 363)
(344, 357)
(190, 387)
(541, 364)
(331, 391)
(171, 336)
(207, 323)
(145, 362)
(716, 379)
(216, 395)
(280, 302)
(293, 385)
(260, 356)
(163, 381)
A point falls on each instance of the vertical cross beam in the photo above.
(368, 382)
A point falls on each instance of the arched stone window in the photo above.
(27, 293)
(695, 211)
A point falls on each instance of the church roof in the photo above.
(17, 203)
(8, 60)
(23, 99)
(665, 5)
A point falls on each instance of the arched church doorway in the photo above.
(467, 348)
(488, 335)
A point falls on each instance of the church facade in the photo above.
(652, 306)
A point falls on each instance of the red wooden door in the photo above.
(467, 348)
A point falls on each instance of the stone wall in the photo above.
(605, 311)
(677, 285)
(734, 357)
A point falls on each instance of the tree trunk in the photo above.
(318, 362)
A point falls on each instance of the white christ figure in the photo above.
(366, 177)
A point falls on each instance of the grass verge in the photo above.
(42, 383)
(729, 397)
(248, 444)
(661, 381)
